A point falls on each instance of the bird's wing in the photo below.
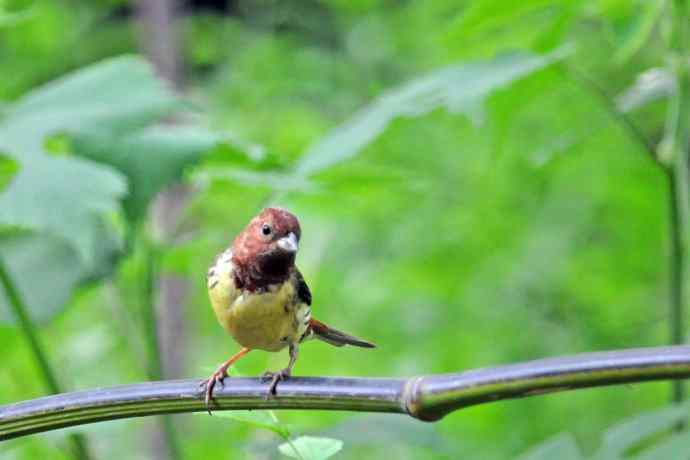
(303, 292)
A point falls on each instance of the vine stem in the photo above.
(427, 398)
(78, 443)
(674, 151)
(154, 361)
(676, 266)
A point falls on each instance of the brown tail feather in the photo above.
(336, 337)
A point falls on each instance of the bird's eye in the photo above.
(266, 229)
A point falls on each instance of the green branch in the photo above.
(78, 442)
(427, 398)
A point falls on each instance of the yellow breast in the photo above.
(267, 321)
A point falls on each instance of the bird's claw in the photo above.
(215, 379)
(274, 378)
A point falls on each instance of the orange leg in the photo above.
(219, 375)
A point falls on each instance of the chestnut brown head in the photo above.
(264, 252)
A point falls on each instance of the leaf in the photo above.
(641, 30)
(487, 15)
(651, 85)
(121, 93)
(46, 270)
(15, 17)
(64, 197)
(459, 88)
(8, 168)
(629, 433)
(674, 446)
(387, 428)
(151, 159)
(311, 448)
(61, 195)
(562, 446)
(257, 418)
(273, 180)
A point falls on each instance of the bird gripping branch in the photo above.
(261, 299)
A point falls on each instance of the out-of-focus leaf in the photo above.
(459, 88)
(257, 418)
(487, 15)
(273, 180)
(674, 446)
(46, 270)
(641, 30)
(151, 159)
(629, 433)
(311, 448)
(64, 196)
(11, 18)
(562, 446)
(651, 85)
(119, 93)
(387, 429)
(240, 154)
(8, 168)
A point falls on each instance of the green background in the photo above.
(477, 227)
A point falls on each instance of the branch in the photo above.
(427, 398)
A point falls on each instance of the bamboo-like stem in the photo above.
(78, 442)
(427, 398)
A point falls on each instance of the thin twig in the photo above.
(427, 398)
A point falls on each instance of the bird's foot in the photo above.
(274, 378)
(215, 378)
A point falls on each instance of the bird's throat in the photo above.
(267, 269)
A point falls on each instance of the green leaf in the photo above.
(258, 418)
(641, 30)
(118, 93)
(8, 19)
(562, 446)
(460, 88)
(674, 446)
(651, 85)
(46, 270)
(151, 159)
(64, 197)
(271, 180)
(629, 433)
(311, 448)
(61, 195)
(486, 16)
(8, 169)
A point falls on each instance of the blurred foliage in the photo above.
(628, 439)
(467, 197)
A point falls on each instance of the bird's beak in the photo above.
(289, 243)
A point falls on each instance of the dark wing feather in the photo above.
(303, 292)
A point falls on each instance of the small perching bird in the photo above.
(261, 299)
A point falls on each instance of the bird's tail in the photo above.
(336, 337)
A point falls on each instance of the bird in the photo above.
(261, 299)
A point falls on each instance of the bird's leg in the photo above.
(219, 375)
(283, 374)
